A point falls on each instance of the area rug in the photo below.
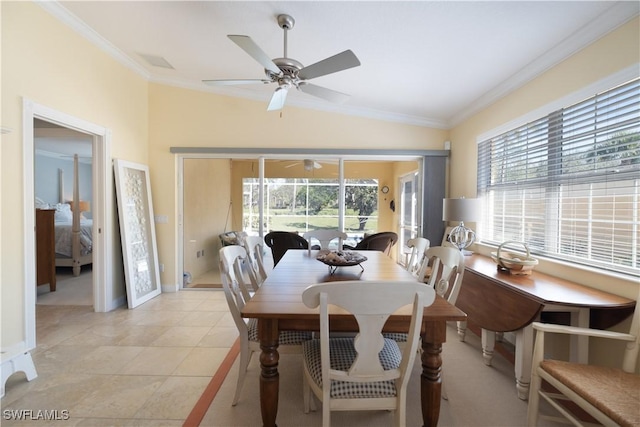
(479, 395)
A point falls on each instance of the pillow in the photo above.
(63, 213)
(41, 204)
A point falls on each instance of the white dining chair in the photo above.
(418, 246)
(324, 237)
(231, 260)
(367, 372)
(255, 249)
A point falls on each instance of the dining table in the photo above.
(277, 305)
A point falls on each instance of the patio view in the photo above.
(303, 204)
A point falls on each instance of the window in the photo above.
(303, 204)
(568, 184)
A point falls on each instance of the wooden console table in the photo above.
(500, 302)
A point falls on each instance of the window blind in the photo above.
(568, 184)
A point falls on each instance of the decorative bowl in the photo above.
(339, 258)
(514, 262)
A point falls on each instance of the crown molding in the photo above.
(68, 18)
(618, 14)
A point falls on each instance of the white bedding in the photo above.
(64, 237)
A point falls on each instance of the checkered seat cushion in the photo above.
(342, 354)
(286, 337)
(396, 336)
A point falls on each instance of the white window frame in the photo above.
(492, 232)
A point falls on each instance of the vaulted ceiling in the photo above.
(430, 63)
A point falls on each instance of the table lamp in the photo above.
(461, 210)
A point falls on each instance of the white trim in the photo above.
(601, 85)
(103, 203)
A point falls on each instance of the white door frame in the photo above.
(102, 203)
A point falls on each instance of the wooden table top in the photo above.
(280, 296)
(544, 288)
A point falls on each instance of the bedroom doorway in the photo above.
(102, 190)
(56, 170)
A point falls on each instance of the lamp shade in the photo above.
(460, 209)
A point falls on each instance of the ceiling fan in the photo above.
(308, 164)
(289, 73)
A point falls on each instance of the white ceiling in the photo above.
(430, 63)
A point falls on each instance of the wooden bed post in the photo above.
(75, 228)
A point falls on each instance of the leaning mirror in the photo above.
(135, 212)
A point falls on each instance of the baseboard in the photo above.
(170, 287)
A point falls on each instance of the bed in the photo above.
(73, 232)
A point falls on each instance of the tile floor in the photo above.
(141, 367)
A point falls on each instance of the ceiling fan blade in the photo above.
(292, 165)
(255, 52)
(278, 98)
(323, 92)
(231, 82)
(339, 62)
(316, 165)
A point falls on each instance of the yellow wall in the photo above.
(205, 209)
(47, 62)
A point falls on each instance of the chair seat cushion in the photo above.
(285, 338)
(396, 336)
(614, 392)
(342, 355)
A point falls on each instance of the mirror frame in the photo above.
(137, 232)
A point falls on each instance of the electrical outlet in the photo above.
(161, 268)
(202, 252)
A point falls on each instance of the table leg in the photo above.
(580, 344)
(524, 354)
(269, 377)
(431, 379)
(488, 345)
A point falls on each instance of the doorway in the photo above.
(63, 165)
(102, 190)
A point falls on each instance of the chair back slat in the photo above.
(324, 237)
(371, 303)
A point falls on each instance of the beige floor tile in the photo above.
(142, 335)
(223, 337)
(97, 335)
(201, 318)
(202, 361)
(214, 304)
(157, 318)
(182, 336)
(226, 321)
(106, 360)
(121, 396)
(157, 361)
(60, 358)
(183, 392)
(57, 392)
